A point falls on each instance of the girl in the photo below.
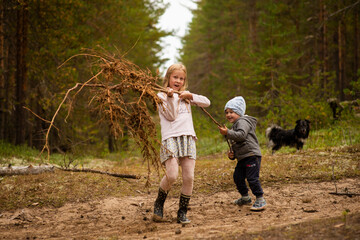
(178, 139)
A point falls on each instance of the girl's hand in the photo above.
(186, 95)
(223, 130)
(231, 155)
(170, 92)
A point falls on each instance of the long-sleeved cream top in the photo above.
(175, 115)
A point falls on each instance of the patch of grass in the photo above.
(15, 155)
(310, 165)
(335, 136)
(208, 146)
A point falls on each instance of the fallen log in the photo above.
(25, 170)
(100, 172)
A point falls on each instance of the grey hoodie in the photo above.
(243, 138)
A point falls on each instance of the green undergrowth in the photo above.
(210, 141)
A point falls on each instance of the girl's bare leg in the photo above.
(188, 167)
(172, 173)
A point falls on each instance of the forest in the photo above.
(78, 101)
(38, 36)
(287, 58)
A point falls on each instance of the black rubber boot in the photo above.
(183, 207)
(159, 206)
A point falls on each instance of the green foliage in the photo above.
(271, 53)
(24, 155)
(340, 133)
(290, 105)
(58, 30)
(355, 87)
(15, 155)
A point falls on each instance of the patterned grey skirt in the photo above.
(182, 146)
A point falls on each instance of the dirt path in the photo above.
(212, 215)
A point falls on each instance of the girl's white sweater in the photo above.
(175, 115)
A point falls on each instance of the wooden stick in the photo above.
(206, 112)
(178, 92)
(218, 124)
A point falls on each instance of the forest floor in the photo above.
(297, 209)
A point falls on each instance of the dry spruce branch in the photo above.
(122, 94)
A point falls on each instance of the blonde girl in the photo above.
(178, 139)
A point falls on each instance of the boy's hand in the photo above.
(231, 155)
(186, 95)
(170, 92)
(223, 130)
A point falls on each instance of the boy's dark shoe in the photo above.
(243, 201)
(259, 205)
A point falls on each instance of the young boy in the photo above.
(246, 149)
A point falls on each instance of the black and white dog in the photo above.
(296, 137)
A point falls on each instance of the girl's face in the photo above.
(231, 116)
(177, 79)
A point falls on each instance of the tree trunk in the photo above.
(252, 24)
(324, 53)
(7, 56)
(39, 125)
(2, 67)
(341, 59)
(111, 144)
(21, 76)
(356, 45)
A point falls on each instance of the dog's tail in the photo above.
(271, 129)
(268, 131)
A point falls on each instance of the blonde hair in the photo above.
(170, 70)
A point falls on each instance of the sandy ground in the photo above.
(212, 216)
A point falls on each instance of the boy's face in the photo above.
(231, 116)
(177, 80)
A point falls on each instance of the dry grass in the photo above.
(212, 174)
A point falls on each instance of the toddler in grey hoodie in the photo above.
(245, 148)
